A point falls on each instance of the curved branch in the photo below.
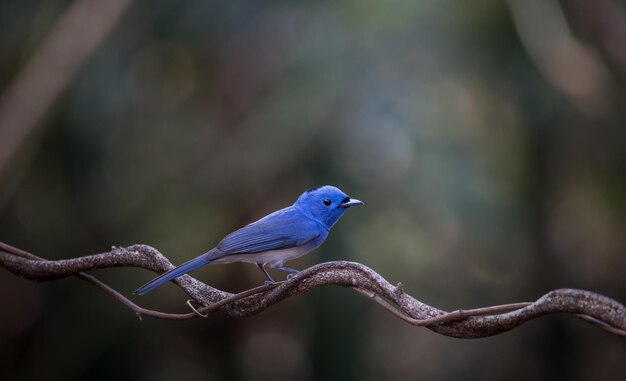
(481, 322)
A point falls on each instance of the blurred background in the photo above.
(487, 139)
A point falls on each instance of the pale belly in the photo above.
(271, 257)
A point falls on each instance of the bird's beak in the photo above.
(352, 202)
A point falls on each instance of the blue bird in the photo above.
(286, 234)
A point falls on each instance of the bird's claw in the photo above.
(268, 282)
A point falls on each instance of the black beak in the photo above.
(351, 202)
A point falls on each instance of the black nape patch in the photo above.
(314, 188)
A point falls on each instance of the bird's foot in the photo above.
(292, 274)
(268, 282)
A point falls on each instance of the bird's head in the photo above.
(326, 204)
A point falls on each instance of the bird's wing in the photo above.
(280, 230)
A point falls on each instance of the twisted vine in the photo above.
(597, 309)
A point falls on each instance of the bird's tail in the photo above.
(173, 273)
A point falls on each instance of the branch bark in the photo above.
(597, 309)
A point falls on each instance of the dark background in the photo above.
(487, 139)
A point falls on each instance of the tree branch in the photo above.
(597, 309)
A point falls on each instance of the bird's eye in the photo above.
(327, 201)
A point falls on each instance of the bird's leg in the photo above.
(269, 278)
(291, 271)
